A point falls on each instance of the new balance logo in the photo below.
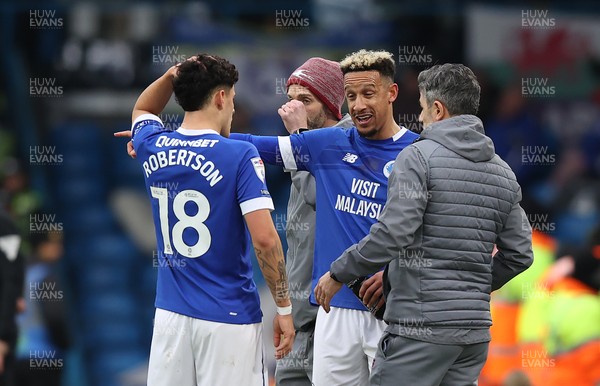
(350, 158)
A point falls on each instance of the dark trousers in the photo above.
(296, 368)
(403, 361)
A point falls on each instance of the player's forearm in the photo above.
(272, 265)
(267, 147)
(155, 97)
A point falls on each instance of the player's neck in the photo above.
(388, 131)
(199, 120)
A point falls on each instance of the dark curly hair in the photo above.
(197, 79)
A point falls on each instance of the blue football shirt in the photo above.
(351, 174)
(201, 184)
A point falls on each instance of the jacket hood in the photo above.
(464, 135)
(346, 122)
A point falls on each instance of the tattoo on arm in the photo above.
(273, 269)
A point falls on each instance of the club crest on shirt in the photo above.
(259, 167)
(387, 169)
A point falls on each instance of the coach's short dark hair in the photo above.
(363, 60)
(455, 85)
(197, 79)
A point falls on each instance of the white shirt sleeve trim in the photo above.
(256, 204)
(144, 117)
(287, 154)
(399, 134)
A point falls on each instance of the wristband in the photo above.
(300, 130)
(284, 310)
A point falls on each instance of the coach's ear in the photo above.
(439, 111)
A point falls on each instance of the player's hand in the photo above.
(371, 291)
(127, 134)
(293, 115)
(325, 290)
(283, 335)
(172, 71)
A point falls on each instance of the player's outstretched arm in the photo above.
(156, 96)
(151, 101)
(269, 254)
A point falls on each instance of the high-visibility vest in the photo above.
(504, 355)
(573, 339)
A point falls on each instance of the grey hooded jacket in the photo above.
(450, 199)
(300, 235)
